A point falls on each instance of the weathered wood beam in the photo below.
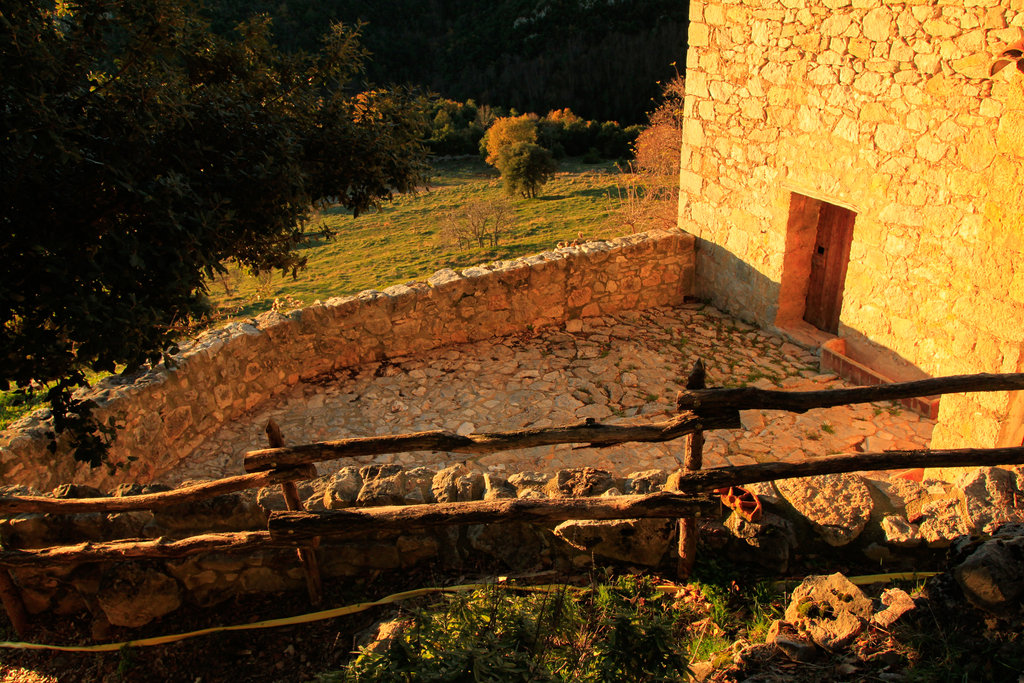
(720, 477)
(138, 549)
(433, 515)
(590, 432)
(401, 518)
(15, 505)
(749, 398)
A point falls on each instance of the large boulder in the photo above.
(382, 485)
(838, 506)
(457, 483)
(637, 541)
(579, 482)
(133, 596)
(830, 610)
(992, 576)
(342, 488)
(769, 542)
(989, 498)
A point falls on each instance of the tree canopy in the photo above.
(142, 152)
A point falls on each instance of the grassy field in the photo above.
(402, 241)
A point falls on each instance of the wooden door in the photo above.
(829, 258)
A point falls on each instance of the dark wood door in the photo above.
(830, 256)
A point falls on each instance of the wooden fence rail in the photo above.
(342, 525)
(750, 398)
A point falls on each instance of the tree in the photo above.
(504, 132)
(480, 221)
(142, 152)
(525, 167)
(649, 191)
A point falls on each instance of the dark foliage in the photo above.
(142, 151)
(602, 58)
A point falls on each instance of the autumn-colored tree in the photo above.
(649, 191)
(507, 131)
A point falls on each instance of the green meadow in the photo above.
(403, 240)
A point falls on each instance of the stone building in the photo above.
(851, 168)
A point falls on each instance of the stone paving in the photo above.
(617, 369)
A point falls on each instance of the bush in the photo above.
(622, 631)
(524, 168)
(481, 221)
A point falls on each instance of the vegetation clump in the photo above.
(623, 630)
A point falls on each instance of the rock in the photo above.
(898, 602)
(229, 512)
(992, 577)
(830, 610)
(520, 546)
(457, 483)
(766, 491)
(419, 484)
(527, 482)
(899, 532)
(940, 521)
(648, 481)
(132, 524)
(497, 488)
(838, 506)
(769, 542)
(342, 488)
(133, 596)
(579, 482)
(415, 548)
(988, 498)
(387, 633)
(382, 485)
(792, 643)
(637, 541)
(77, 491)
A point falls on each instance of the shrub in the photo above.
(480, 221)
(524, 168)
(622, 631)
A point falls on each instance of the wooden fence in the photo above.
(701, 409)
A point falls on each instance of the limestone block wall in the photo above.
(164, 414)
(885, 109)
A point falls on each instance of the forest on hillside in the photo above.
(601, 58)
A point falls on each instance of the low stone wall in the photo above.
(163, 415)
(840, 516)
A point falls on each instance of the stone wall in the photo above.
(885, 109)
(164, 414)
(901, 523)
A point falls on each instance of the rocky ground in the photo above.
(621, 368)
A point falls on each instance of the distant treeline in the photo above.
(601, 58)
(457, 127)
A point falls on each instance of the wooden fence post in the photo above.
(307, 554)
(693, 461)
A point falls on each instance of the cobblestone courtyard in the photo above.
(624, 368)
